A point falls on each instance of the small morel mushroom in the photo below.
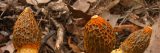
(137, 41)
(26, 33)
(98, 36)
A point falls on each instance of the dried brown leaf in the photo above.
(36, 2)
(81, 5)
(9, 46)
(101, 6)
(111, 18)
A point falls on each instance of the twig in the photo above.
(44, 42)
(2, 13)
(60, 33)
(40, 21)
(136, 22)
(128, 13)
(125, 17)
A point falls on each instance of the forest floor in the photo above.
(70, 17)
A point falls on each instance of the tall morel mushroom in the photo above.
(137, 41)
(99, 36)
(26, 33)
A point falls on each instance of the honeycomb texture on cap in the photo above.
(137, 41)
(26, 31)
(98, 36)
